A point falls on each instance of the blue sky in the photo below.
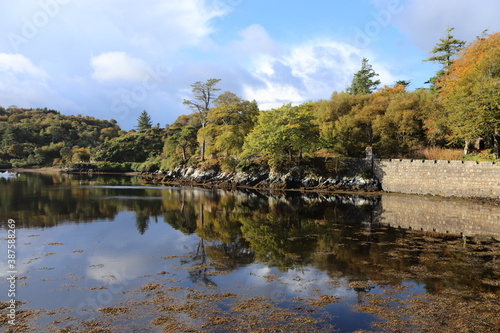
(112, 59)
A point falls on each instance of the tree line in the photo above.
(224, 130)
(460, 107)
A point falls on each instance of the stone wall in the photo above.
(444, 178)
(447, 216)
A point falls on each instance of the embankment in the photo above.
(295, 178)
(467, 179)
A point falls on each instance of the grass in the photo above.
(437, 153)
(451, 154)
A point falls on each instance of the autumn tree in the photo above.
(284, 133)
(444, 53)
(228, 122)
(363, 81)
(81, 154)
(204, 93)
(341, 129)
(391, 119)
(471, 91)
(399, 130)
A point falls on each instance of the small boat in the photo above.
(8, 174)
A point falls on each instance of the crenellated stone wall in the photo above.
(444, 178)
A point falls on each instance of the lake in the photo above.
(111, 254)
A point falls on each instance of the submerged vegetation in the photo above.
(457, 117)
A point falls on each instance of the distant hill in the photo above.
(31, 137)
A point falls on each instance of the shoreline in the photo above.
(59, 170)
(262, 188)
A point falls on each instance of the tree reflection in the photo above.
(336, 234)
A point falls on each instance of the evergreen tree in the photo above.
(403, 83)
(444, 52)
(144, 121)
(363, 82)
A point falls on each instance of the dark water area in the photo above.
(109, 254)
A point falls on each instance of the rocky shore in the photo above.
(294, 179)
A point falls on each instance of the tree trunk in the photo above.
(202, 150)
(202, 146)
(496, 148)
(183, 153)
(466, 147)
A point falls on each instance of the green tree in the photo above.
(144, 122)
(344, 122)
(66, 155)
(9, 136)
(444, 52)
(81, 154)
(281, 134)
(42, 132)
(131, 146)
(228, 122)
(204, 93)
(181, 141)
(400, 129)
(363, 81)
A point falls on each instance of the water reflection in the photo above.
(357, 238)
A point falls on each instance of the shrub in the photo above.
(229, 164)
(486, 155)
(117, 167)
(210, 164)
(136, 166)
(19, 163)
(252, 165)
(83, 166)
(5, 164)
(149, 166)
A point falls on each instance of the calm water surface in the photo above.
(111, 253)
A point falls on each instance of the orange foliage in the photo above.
(470, 90)
(387, 91)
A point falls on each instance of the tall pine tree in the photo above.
(144, 121)
(444, 52)
(363, 82)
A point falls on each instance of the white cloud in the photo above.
(156, 27)
(426, 21)
(307, 72)
(194, 39)
(19, 64)
(89, 32)
(24, 84)
(254, 40)
(118, 66)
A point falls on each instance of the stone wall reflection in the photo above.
(453, 216)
